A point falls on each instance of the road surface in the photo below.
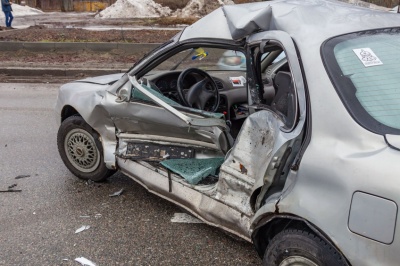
(37, 225)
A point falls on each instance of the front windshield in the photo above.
(206, 59)
(365, 68)
(152, 53)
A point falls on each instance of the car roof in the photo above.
(306, 21)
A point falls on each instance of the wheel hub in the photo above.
(297, 261)
(81, 150)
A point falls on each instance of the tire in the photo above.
(81, 150)
(301, 248)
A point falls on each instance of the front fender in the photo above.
(89, 100)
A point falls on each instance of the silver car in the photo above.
(296, 155)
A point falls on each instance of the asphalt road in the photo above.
(37, 225)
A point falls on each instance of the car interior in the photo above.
(211, 82)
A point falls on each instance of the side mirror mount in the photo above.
(124, 93)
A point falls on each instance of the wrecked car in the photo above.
(297, 155)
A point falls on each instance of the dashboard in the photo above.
(169, 82)
(230, 93)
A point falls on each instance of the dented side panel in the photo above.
(157, 152)
(89, 99)
(248, 160)
(197, 202)
(246, 166)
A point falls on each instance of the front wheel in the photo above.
(293, 247)
(76, 142)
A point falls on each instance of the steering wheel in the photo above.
(198, 95)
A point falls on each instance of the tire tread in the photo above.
(298, 239)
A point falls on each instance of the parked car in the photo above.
(297, 156)
(235, 60)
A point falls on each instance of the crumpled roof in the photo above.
(242, 23)
(320, 19)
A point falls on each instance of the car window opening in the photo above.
(274, 83)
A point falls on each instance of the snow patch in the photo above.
(19, 11)
(148, 8)
(199, 8)
(134, 9)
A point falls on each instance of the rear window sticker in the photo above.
(367, 57)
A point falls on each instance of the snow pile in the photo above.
(134, 9)
(148, 8)
(19, 11)
(199, 8)
(394, 9)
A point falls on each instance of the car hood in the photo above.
(102, 80)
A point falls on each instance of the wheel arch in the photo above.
(74, 129)
(272, 224)
(68, 111)
(107, 138)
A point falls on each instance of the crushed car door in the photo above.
(152, 112)
(154, 129)
(271, 136)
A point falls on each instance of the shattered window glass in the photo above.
(138, 95)
(194, 170)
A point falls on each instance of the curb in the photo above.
(58, 72)
(129, 48)
(73, 46)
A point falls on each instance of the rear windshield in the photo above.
(365, 69)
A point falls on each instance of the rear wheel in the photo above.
(293, 247)
(81, 151)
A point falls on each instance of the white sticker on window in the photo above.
(367, 57)
(238, 81)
